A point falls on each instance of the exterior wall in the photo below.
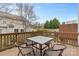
(5, 22)
(3, 30)
(68, 28)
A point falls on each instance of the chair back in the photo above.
(18, 46)
(60, 48)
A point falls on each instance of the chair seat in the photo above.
(29, 43)
(26, 50)
(47, 43)
(58, 47)
(56, 50)
(53, 53)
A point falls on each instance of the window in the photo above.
(1, 18)
(4, 22)
(0, 31)
(22, 30)
(15, 30)
(10, 25)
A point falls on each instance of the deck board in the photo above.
(69, 51)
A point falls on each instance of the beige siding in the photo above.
(4, 23)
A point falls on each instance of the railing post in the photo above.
(16, 38)
(78, 40)
(78, 36)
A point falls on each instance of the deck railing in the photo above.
(6, 40)
(67, 38)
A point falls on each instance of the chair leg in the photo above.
(21, 53)
(48, 46)
(61, 53)
(18, 53)
(44, 53)
(34, 52)
(36, 48)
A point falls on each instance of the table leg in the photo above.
(32, 43)
(40, 50)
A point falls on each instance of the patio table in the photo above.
(41, 40)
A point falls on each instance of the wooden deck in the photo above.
(69, 51)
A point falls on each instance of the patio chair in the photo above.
(24, 50)
(29, 43)
(56, 50)
(49, 44)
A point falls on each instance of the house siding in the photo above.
(5, 26)
(6, 22)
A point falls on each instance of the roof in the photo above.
(11, 16)
(71, 22)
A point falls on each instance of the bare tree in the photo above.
(19, 9)
(5, 7)
(26, 11)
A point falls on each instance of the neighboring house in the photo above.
(69, 26)
(71, 22)
(11, 23)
